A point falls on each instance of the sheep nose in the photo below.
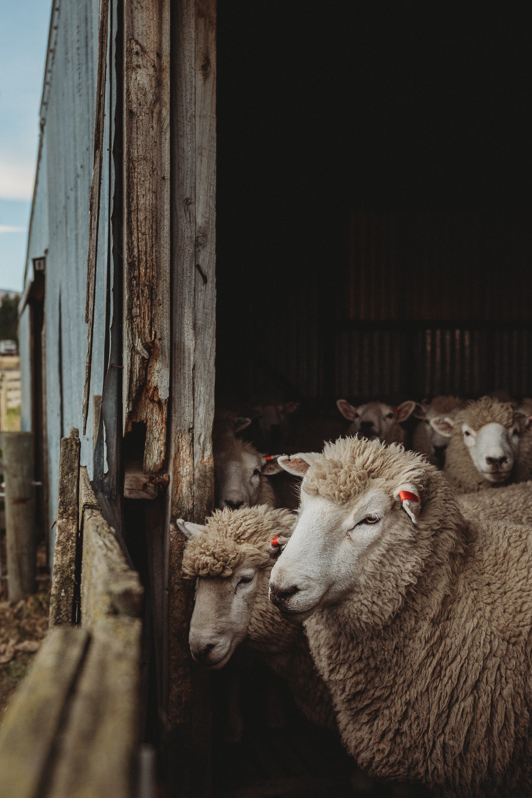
(233, 505)
(202, 652)
(496, 461)
(280, 596)
(366, 427)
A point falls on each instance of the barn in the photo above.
(299, 201)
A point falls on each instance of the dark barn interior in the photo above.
(373, 200)
(373, 226)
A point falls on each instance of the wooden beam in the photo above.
(62, 607)
(108, 585)
(146, 380)
(193, 336)
(36, 712)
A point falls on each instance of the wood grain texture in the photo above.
(108, 585)
(146, 381)
(97, 749)
(62, 610)
(36, 711)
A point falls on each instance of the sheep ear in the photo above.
(348, 411)
(188, 529)
(297, 464)
(271, 465)
(408, 495)
(420, 410)
(443, 425)
(405, 410)
(241, 423)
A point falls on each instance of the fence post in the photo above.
(20, 513)
(3, 402)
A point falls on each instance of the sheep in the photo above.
(377, 419)
(231, 557)
(490, 444)
(509, 502)
(434, 416)
(240, 474)
(419, 621)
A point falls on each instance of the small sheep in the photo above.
(489, 444)
(377, 420)
(240, 474)
(433, 417)
(419, 622)
(231, 558)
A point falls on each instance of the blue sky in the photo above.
(23, 42)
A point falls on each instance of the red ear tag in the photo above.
(405, 495)
(275, 541)
(269, 457)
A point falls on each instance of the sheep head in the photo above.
(230, 559)
(360, 534)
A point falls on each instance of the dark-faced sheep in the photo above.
(419, 622)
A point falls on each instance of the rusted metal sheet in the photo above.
(147, 224)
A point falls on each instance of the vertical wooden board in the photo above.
(147, 223)
(205, 274)
(64, 571)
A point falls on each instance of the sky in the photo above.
(23, 42)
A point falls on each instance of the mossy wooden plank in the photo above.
(97, 749)
(108, 584)
(36, 711)
(64, 572)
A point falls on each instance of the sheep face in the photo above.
(222, 612)
(371, 420)
(493, 449)
(436, 422)
(328, 555)
(240, 474)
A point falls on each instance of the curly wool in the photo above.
(347, 465)
(504, 502)
(233, 538)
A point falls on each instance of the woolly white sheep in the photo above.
(377, 419)
(231, 557)
(505, 503)
(419, 622)
(489, 444)
(434, 416)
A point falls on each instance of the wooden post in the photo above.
(62, 598)
(3, 402)
(20, 514)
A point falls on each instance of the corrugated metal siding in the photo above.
(60, 225)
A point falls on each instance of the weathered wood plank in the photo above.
(96, 752)
(36, 711)
(94, 200)
(193, 324)
(108, 584)
(21, 539)
(138, 485)
(146, 371)
(62, 609)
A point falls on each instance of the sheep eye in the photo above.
(516, 432)
(245, 580)
(466, 432)
(389, 415)
(257, 472)
(370, 519)
(357, 415)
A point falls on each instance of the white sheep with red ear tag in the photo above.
(418, 620)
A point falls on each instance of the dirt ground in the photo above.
(22, 628)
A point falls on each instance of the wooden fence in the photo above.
(72, 727)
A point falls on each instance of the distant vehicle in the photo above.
(8, 347)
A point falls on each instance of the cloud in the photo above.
(9, 228)
(16, 180)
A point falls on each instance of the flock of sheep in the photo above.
(397, 600)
